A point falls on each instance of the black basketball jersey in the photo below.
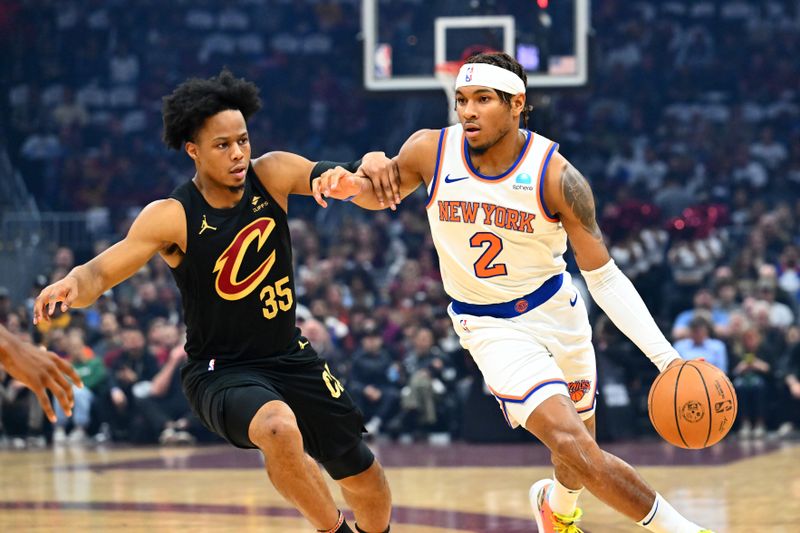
(236, 278)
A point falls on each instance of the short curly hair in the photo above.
(193, 101)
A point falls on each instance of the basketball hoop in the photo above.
(446, 74)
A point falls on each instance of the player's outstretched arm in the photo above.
(39, 370)
(568, 194)
(413, 166)
(383, 176)
(159, 226)
(285, 173)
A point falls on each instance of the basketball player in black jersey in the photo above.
(251, 377)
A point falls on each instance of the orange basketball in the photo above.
(692, 405)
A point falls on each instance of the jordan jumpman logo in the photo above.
(205, 225)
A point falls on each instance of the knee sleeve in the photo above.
(353, 462)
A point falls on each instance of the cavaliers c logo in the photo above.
(227, 266)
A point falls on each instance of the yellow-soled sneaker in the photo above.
(546, 520)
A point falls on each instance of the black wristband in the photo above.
(321, 166)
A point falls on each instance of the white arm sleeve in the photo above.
(616, 295)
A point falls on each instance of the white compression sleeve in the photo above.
(616, 295)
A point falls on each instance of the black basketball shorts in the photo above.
(226, 396)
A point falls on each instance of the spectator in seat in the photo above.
(320, 338)
(703, 303)
(752, 378)
(699, 344)
(94, 377)
(132, 370)
(780, 314)
(790, 374)
(164, 413)
(374, 380)
(429, 372)
(109, 340)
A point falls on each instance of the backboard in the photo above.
(404, 40)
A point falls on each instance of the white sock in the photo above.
(663, 518)
(562, 500)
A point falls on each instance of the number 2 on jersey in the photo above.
(483, 266)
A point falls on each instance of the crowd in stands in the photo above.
(688, 132)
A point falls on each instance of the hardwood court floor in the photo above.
(733, 488)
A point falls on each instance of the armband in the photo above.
(322, 166)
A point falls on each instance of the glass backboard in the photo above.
(404, 40)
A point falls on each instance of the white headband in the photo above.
(491, 76)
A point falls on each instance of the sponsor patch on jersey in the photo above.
(523, 182)
(257, 204)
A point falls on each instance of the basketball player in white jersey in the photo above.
(502, 203)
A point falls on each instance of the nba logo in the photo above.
(211, 365)
(468, 74)
(464, 324)
(383, 61)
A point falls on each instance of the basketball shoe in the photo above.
(546, 520)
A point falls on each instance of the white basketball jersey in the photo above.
(496, 239)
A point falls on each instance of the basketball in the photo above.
(692, 405)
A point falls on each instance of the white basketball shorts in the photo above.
(541, 352)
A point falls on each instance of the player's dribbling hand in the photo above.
(337, 183)
(675, 362)
(64, 291)
(40, 370)
(385, 177)
(679, 362)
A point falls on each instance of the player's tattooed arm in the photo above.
(569, 194)
(578, 195)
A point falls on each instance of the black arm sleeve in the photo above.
(322, 166)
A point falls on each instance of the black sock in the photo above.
(362, 531)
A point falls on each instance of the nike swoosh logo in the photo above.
(448, 179)
(573, 301)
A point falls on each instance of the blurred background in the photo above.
(687, 126)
